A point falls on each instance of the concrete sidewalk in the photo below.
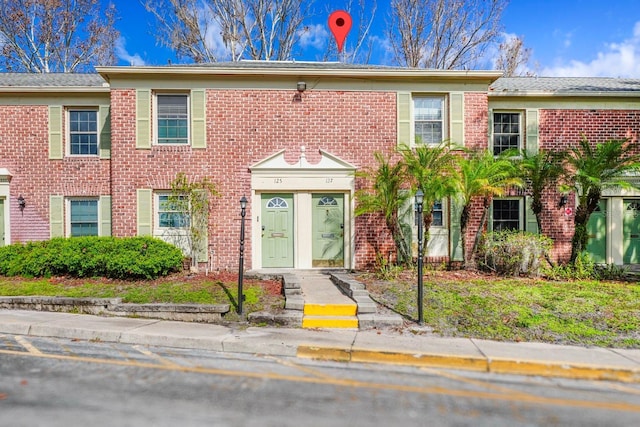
(351, 345)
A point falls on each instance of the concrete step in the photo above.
(330, 322)
(316, 309)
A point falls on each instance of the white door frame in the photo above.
(330, 175)
(5, 178)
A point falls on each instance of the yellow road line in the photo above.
(539, 400)
(154, 356)
(27, 345)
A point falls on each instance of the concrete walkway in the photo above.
(349, 345)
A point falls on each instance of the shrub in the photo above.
(514, 252)
(116, 258)
(584, 268)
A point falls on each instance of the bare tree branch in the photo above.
(42, 36)
(513, 58)
(443, 34)
(214, 30)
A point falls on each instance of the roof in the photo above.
(39, 82)
(589, 86)
(296, 68)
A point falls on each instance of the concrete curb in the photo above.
(472, 363)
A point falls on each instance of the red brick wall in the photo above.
(244, 127)
(24, 151)
(560, 129)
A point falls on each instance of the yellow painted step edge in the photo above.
(329, 322)
(330, 309)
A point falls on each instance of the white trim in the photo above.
(521, 211)
(521, 132)
(67, 130)
(446, 104)
(67, 212)
(330, 175)
(154, 112)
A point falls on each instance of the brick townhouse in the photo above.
(96, 153)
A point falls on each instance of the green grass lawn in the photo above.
(179, 289)
(605, 314)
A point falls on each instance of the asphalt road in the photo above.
(60, 382)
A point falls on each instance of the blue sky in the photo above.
(567, 37)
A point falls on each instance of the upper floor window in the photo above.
(83, 132)
(507, 131)
(83, 217)
(428, 119)
(172, 119)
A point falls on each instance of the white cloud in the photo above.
(314, 36)
(213, 36)
(122, 54)
(617, 60)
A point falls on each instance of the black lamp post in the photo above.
(243, 212)
(419, 202)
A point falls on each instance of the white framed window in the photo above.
(507, 214)
(428, 114)
(507, 131)
(172, 118)
(83, 217)
(82, 132)
(170, 212)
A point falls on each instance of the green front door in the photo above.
(2, 243)
(277, 230)
(597, 232)
(328, 230)
(631, 232)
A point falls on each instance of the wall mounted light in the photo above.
(301, 86)
(21, 203)
(563, 200)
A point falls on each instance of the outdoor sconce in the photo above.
(21, 203)
(563, 200)
(301, 87)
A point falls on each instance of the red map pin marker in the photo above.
(340, 24)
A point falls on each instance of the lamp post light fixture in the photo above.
(243, 212)
(419, 202)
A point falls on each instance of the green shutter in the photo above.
(143, 119)
(532, 132)
(203, 231)
(145, 212)
(531, 224)
(456, 106)
(56, 216)
(404, 118)
(105, 215)
(198, 119)
(455, 230)
(56, 149)
(105, 131)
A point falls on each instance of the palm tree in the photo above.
(541, 171)
(433, 170)
(385, 196)
(593, 169)
(486, 176)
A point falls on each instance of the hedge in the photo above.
(111, 257)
